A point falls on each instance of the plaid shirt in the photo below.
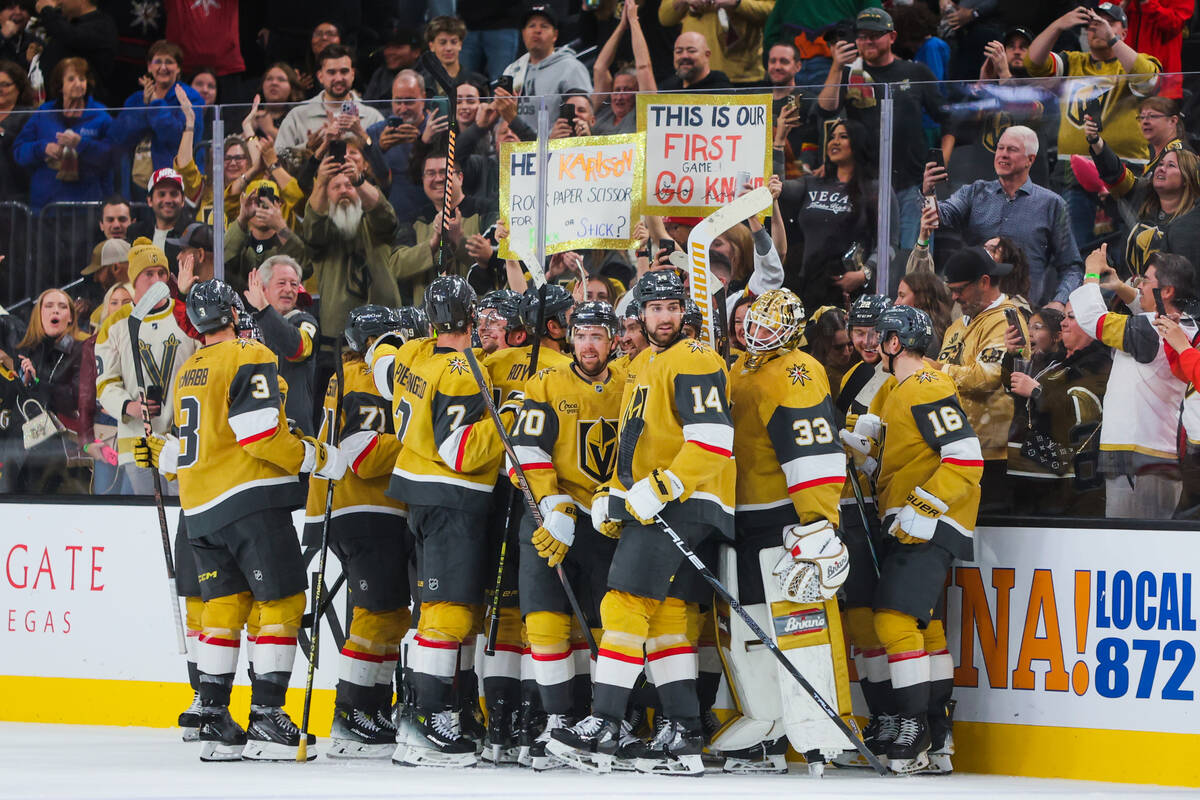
(1035, 218)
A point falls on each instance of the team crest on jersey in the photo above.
(158, 371)
(924, 377)
(696, 346)
(799, 374)
(457, 365)
(597, 448)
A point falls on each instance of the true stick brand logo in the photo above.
(806, 620)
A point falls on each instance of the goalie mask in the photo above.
(772, 325)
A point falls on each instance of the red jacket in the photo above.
(1156, 29)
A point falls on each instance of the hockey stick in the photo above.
(852, 474)
(315, 636)
(704, 286)
(443, 79)
(154, 297)
(534, 511)
(720, 589)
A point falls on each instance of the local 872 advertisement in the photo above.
(1078, 628)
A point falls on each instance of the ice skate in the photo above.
(500, 745)
(674, 751)
(941, 747)
(909, 752)
(434, 739)
(272, 736)
(878, 734)
(222, 739)
(539, 759)
(189, 719)
(357, 734)
(765, 758)
(589, 745)
(530, 723)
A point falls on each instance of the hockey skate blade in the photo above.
(545, 763)
(771, 765)
(500, 756)
(215, 751)
(909, 766)
(191, 734)
(348, 748)
(417, 756)
(599, 763)
(939, 764)
(256, 750)
(690, 766)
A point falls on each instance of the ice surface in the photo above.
(66, 761)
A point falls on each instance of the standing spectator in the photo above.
(913, 89)
(66, 147)
(78, 29)
(273, 292)
(615, 100)
(165, 191)
(204, 81)
(115, 217)
(1014, 206)
(1155, 27)
(693, 68)
(971, 355)
(544, 71)
(195, 262)
(324, 34)
(1015, 284)
(928, 292)
(444, 38)
(829, 343)
(734, 27)
(97, 430)
(917, 39)
(395, 137)
(153, 111)
(208, 34)
(400, 51)
(48, 363)
(968, 25)
(1108, 57)
(1161, 123)
(14, 36)
(1139, 437)
(15, 98)
(109, 267)
(492, 35)
(259, 233)
(806, 25)
(581, 124)
(279, 90)
(336, 75)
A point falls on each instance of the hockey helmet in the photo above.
(210, 305)
(659, 284)
(912, 325)
(865, 311)
(450, 304)
(774, 322)
(558, 303)
(692, 316)
(595, 313)
(506, 304)
(246, 325)
(368, 321)
(412, 322)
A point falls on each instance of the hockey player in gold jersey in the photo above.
(237, 465)
(930, 465)
(566, 439)
(674, 458)
(789, 560)
(368, 534)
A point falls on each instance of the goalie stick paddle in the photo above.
(315, 635)
(736, 607)
(154, 297)
(534, 511)
(704, 286)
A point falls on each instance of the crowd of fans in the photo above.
(1044, 190)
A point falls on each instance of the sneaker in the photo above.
(357, 734)
(189, 719)
(272, 736)
(909, 751)
(588, 745)
(222, 739)
(674, 751)
(435, 740)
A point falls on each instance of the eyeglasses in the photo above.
(1146, 116)
(434, 173)
(236, 158)
(7, 85)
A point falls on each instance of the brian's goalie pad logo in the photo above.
(597, 448)
(805, 620)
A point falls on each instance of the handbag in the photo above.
(1044, 451)
(40, 427)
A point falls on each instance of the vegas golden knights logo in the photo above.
(597, 448)
(636, 406)
(158, 373)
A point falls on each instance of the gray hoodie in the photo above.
(552, 76)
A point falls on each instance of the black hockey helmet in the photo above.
(450, 304)
(246, 325)
(633, 309)
(595, 313)
(659, 284)
(507, 304)
(210, 305)
(912, 325)
(412, 322)
(692, 316)
(865, 311)
(558, 303)
(367, 321)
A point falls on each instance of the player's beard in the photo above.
(346, 216)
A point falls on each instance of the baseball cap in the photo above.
(1018, 33)
(540, 11)
(1114, 12)
(197, 234)
(164, 174)
(972, 263)
(874, 19)
(110, 251)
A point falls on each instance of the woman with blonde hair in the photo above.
(97, 430)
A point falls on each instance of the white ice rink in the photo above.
(63, 761)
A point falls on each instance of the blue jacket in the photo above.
(94, 150)
(162, 121)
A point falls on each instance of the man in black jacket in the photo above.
(77, 28)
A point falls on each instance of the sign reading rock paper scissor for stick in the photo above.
(697, 144)
(593, 193)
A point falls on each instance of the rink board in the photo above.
(1074, 648)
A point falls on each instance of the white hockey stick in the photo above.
(703, 284)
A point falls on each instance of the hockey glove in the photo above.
(322, 460)
(918, 518)
(862, 439)
(145, 452)
(509, 412)
(557, 532)
(815, 565)
(601, 521)
(389, 339)
(651, 494)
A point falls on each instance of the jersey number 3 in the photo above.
(189, 430)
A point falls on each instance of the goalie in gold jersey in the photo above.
(237, 465)
(566, 439)
(930, 465)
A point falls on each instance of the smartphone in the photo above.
(504, 82)
(267, 193)
(935, 155)
(743, 178)
(441, 106)
(1095, 110)
(567, 111)
(666, 246)
(337, 149)
(1014, 320)
(1158, 302)
(394, 122)
(349, 108)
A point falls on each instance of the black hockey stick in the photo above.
(852, 475)
(315, 635)
(443, 79)
(534, 511)
(720, 589)
(153, 297)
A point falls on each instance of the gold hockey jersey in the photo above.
(927, 441)
(789, 459)
(508, 369)
(367, 439)
(566, 435)
(236, 454)
(864, 389)
(675, 415)
(451, 450)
